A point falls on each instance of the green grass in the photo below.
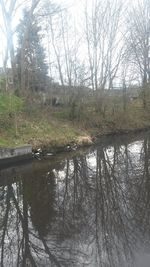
(21, 123)
(39, 130)
(10, 103)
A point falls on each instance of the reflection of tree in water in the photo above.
(21, 245)
(104, 201)
(112, 232)
(91, 211)
(142, 204)
(97, 208)
(40, 195)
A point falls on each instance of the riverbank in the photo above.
(50, 130)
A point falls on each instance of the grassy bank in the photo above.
(38, 130)
(22, 123)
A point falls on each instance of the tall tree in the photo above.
(8, 10)
(32, 67)
(138, 39)
(104, 48)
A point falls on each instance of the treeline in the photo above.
(99, 44)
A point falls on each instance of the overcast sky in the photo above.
(74, 6)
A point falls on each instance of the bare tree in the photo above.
(103, 47)
(8, 11)
(64, 41)
(56, 50)
(138, 40)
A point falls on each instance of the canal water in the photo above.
(90, 208)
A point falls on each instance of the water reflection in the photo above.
(89, 209)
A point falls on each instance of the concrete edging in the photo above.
(15, 154)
